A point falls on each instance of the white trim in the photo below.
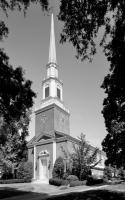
(54, 152)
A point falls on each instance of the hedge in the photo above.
(58, 182)
(9, 181)
(77, 183)
(71, 178)
(93, 180)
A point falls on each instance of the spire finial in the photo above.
(52, 47)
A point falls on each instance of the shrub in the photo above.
(65, 175)
(10, 181)
(57, 182)
(6, 172)
(25, 171)
(77, 183)
(93, 180)
(85, 173)
(121, 173)
(108, 172)
(58, 169)
(71, 178)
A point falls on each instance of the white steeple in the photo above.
(52, 70)
(52, 47)
(52, 87)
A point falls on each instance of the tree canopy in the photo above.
(16, 95)
(82, 22)
(16, 100)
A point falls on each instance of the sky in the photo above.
(27, 45)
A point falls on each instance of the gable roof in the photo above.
(44, 138)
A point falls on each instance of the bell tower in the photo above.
(52, 115)
(52, 87)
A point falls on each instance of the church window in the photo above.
(46, 92)
(58, 93)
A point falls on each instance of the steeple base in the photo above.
(50, 117)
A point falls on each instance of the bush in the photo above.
(121, 173)
(71, 178)
(10, 181)
(108, 172)
(113, 182)
(58, 170)
(77, 183)
(93, 180)
(86, 172)
(65, 175)
(6, 172)
(57, 182)
(25, 171)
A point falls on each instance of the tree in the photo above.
(16, 100)
(16, 96)
(14, 149)
(19, 5)
(25, 171)
(83, 158)
(82, 22)
(58, 169)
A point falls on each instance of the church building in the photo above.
(52, 127)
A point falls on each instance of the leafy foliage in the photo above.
(6, 172)
(58, 169)
(71, 178)
(82, 21)
(58, 182)
(6, 6)
(16, 95)
(83, 158)
(16, 99)
(92, 180)
(21, 4)
(108, 172)
(3, 30)
(10, 181)
(77, 183)
(25, 171)
(121, 173)
(14, 149)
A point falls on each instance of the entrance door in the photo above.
(43, 169)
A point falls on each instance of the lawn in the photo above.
(112, 192)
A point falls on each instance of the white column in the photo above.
(34, 161)
(54, 152)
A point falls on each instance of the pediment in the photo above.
(42, 138)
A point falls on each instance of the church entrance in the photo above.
(43, 169)
(43, 166)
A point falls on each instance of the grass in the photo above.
(112, 192)
(7, 192)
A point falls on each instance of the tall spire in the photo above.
(52, 47)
